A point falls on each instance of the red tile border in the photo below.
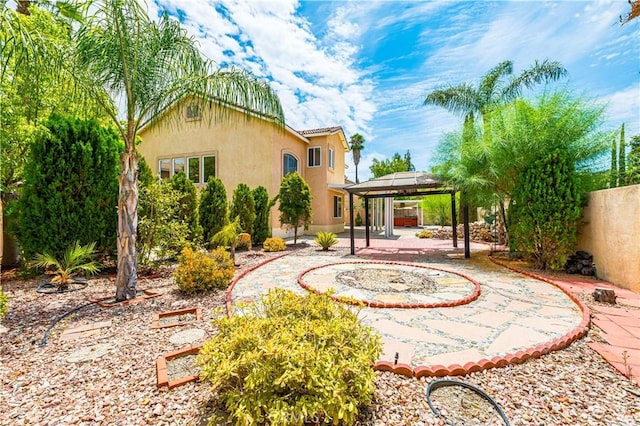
(242, 274)
(403, 305)
(472, 366)
(157, 316)
(161, 367)
(100, 299)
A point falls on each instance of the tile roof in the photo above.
(322, 130)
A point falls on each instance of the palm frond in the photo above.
(489, 84)
(461, 99)
(540, 72)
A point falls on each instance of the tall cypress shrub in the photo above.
(261, 229)
(545, 210)
(187, 210)
(212, 210)
(243, 206)
(70, 188)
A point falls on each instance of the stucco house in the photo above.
(253, 151)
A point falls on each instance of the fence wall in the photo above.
(612, 234)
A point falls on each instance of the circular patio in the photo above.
(513, 318)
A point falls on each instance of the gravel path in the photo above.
(40, 386)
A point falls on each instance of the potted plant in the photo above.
(76, 259)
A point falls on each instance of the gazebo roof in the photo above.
(401, 183)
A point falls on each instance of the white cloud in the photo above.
(624, 107)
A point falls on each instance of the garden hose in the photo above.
(448, 382)
(60, 318)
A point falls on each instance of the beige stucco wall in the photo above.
(612, 234)
(249, 152)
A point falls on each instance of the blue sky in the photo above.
(368, 65)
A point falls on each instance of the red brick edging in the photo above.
(100, 299)
(500, 361)
(156, 317)
(403, 305)
(245, 272)
(161, 366)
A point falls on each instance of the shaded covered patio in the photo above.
(403, 184)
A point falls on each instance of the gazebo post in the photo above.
(467, 243)
(366, 219)
(454, 220)
(351, 225)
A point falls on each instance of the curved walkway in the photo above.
(514, 318)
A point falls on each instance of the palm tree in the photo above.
(357, 145)
(150, 66)
(492, 92)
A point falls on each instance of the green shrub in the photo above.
(212, 210)
(545, 210)
(263, 207)
(199, 271)
(76, 259)
(4, 304)
(295, 203)
(326, 240)
(70, 189)
(162, 232)
(291, 359)
(274, 244)
(424, 234)
(243, 206)
(358, 219)
(244, 241)
(187, 208)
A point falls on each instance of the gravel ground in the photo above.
(40, 386)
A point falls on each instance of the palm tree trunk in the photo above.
(127, 277)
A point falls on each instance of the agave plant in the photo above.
(326, 240)
(75, 259)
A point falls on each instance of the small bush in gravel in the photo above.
(326, 240)
(4, 304)
(274, 244)
(244, 241)
(290, 360)
(424, 234)
(199, 271)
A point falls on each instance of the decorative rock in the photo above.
(186, 337)
(604, 295)
(89, 353)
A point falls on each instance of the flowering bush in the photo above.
(199, 271)
(274, 244)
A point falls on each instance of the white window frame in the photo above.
(316, 157)
(160, 160)
(215, 167)
(284, 163)
(337, 206)
(173, 165)
(188, 168)
(332, 158)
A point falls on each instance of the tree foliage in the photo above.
(356, 143)
(187, 205)
(212, 210)
(243, 206)
(633, 169)
(295, 203)
(394, 164)
(261, 229)
(545, 210)
(70, 188)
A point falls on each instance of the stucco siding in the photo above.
(610, 232)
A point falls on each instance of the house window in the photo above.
(164, 169)
(289, 164)
(314, 157)
(331, 158)
(208, 167)
(337, 206)
(193, 112)
(193, 169)
(178, 165)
